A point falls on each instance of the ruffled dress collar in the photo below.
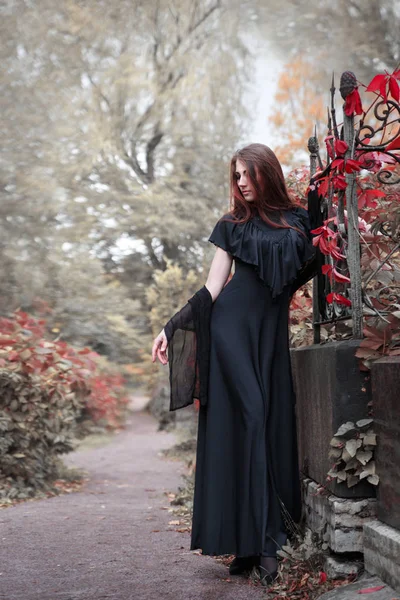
(278, 255)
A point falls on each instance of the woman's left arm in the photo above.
(218, 274)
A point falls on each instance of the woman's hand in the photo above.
(160, 348)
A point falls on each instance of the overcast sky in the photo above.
(267, 70)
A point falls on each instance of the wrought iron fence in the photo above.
(363, 140)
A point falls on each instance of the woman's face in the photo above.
(244, 183)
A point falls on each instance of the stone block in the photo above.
(337, 521)
(382, 552)
(337, 568)
(346, 540)
(330, 390)
(385, 377)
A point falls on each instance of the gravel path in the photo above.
(112, 540)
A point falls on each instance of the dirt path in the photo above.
(112, 539)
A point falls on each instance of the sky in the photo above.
(267, 71)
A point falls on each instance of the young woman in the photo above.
(247, 487)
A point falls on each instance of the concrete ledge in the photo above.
(382, 552)
(337, 521)
(352, 591)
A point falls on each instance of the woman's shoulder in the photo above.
(228, 216)
(298, 212)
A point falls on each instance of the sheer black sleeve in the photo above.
(183, 319)
(188, 335)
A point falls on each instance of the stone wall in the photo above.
(337, 521)
(330, 390)
(385, 376)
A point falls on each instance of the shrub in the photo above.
(48, 393)
(107, 403)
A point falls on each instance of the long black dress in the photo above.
(247, 465)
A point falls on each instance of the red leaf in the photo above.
(323, 184)
(339, 182)
(326, 269)
(322, 577)
(376, 83)
(338, 164)
(342, 300)
(352, 165)
(329, 148)
(339, 277)
(371, 589)
(368, 198)
(394, 88)
(335, 252)
(323, 246)
(395, 145)
(338, 298)
(353, 103)
(7, 342)
(341, 147)
(316, 240)
(396, 74)
(319, 230)
(373, 332)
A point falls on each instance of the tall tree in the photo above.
(120, 121)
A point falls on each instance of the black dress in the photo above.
(247, 465)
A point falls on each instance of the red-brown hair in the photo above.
(266, 177)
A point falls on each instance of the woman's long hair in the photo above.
(266, 177)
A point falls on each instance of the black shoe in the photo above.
(240, 564)
(266, 577)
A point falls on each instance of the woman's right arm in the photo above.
(218, 274)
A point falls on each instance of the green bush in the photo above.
(49, 392)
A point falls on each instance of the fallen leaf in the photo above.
(363, 423)
(371, 590)
(374, 479)
(351, 447)
(176, 522)
(346, 429)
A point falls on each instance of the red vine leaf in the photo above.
(341, 147)
(371, 589)
(394, 89)
(367, 198)
(353, 104)
(339, 182)
(335, 252)
(395, 145)
(338, 298)
(326, 269)
(378, 84)
(339, 277)
(352, 165)
(322, 577)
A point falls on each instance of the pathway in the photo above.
(111, 540)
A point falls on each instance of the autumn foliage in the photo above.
(298, 106)
(374, 161)
(50, 392)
